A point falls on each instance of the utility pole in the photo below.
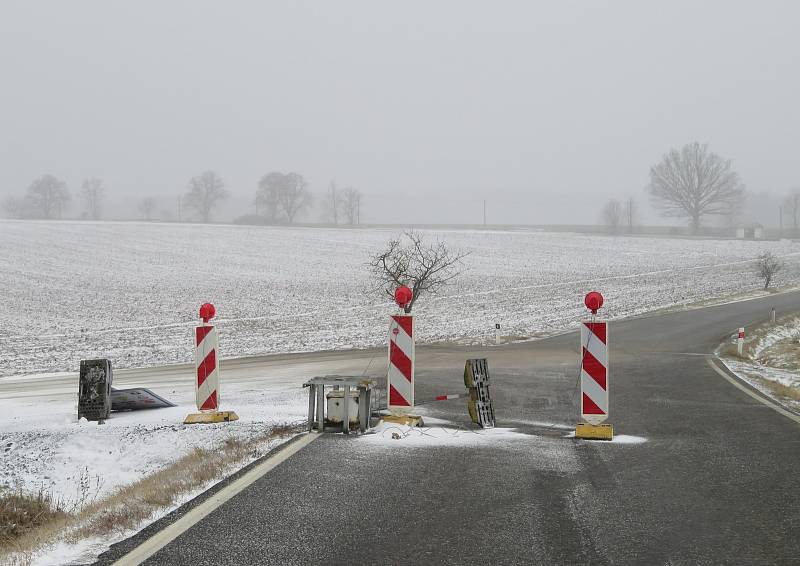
(484, 212)
(780, 222)
(179, 209)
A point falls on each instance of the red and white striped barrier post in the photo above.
(594, 374)
(740, 342)
(206, 359)
(206, 345)
(400, 375)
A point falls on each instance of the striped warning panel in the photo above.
(206, 363)
(400, 376)
(448, 397)
(594, 372)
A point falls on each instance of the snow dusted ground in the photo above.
(772, 356)
(43, 446)
(130, 291)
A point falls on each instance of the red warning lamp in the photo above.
(403, 296)
(593, 301)
(207, 312)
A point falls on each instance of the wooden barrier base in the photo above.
(211, 417)
(594, 432)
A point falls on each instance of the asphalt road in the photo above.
(715, 482)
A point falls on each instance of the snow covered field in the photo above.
(130, 291)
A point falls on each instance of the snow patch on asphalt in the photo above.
(431, 436)
(617, 439)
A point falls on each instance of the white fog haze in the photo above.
(427, 282)
(544, 110)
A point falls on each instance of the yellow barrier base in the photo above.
(407, 420)
(594, 432)
(211, 417)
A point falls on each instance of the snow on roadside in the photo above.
(44, 446)
(786, 329)
(758, 368)
(759, 376)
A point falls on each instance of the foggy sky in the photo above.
(545, 109)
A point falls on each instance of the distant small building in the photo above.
(753, 231)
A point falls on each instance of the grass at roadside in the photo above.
(770, 359)
(31, 522)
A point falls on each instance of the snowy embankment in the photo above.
(130, 292)
(771, 360)
(82, 465)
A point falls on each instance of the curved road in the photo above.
(717, 480)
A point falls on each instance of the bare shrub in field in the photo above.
(767, 266)
(408, 260)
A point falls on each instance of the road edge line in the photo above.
(172, 531)
(735, 382)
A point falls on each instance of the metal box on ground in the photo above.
(94, 389)
(336, 406)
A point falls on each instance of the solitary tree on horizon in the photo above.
(351, 206)
(630, 214)
(332, 204)
(48, 197)
(693, 182)
(282, 196)
(205, 191)
(612, 216)
(93, 194)
(147, 207)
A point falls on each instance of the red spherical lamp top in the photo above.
(207, 312)
(593, 301)
(403, 296)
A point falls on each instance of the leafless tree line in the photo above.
(619, 217)
(280, 198)
(341, 206)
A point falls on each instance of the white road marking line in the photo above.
(770, 404)
(163, 537)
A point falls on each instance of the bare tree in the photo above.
(630, 214)
(612, 216)
(792, 208)
(767, 266)
(294, 197)
(93, 194)
(693, 182)
(408, 260)
(204, 192)
(351, 206)
(332, 204)
(48, 197)
(269, 187)
(14, 207)
(147, 207)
